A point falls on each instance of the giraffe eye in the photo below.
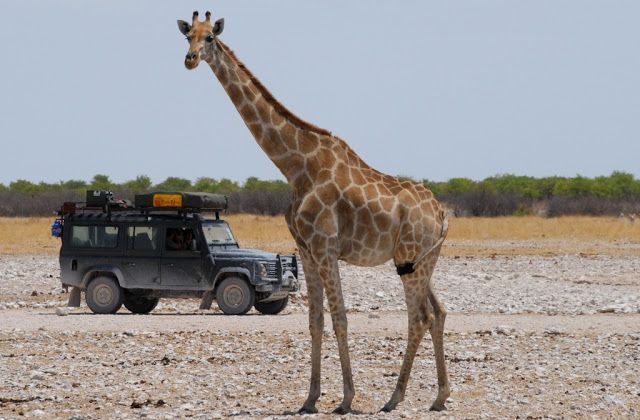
(209, 38)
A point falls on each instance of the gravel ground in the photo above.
(535, 336)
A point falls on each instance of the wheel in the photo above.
(272, 308)
(235, 296)
(140, 304)
(104, 295)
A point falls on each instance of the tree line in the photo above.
(494, 196)
(143, 183)
(550, 196)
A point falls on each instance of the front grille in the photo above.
(281, 265)
(271, 269)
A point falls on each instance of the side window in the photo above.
(142, 238)
(180, 239)
(94, 236)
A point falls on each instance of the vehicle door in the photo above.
(88, 246)
(141, 262)
(181, 266)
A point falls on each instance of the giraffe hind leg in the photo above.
(420, 319)
(437, 336)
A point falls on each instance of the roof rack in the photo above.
(180, 202)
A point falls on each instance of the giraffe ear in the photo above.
(218, 27)
(184, 27)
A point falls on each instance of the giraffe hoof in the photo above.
(438, 407)
(307, 410)
(341, 410)
(386, 409)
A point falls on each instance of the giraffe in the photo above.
(341, 209)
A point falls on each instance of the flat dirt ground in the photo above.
(544, 322)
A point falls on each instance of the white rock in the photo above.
(36, 375)
(554, 331)
(504, 330)
(62, 311)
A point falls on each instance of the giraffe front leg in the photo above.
(316, 328)
(331, 280)
(339, 320)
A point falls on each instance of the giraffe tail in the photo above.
(408, 268)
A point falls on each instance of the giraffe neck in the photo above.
(285, 138)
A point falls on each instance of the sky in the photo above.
(427, 89)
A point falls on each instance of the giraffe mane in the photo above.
(281, 109)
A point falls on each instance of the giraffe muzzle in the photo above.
(191, 61)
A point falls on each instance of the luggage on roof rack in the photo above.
(182, 200)
(99, 198)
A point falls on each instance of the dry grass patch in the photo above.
(534, 227)
(532, 235)
(264, 232)
(501, 235)
(27, 235)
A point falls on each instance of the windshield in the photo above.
(218, 233)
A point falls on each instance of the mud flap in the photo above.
(207, 300)
(74, 298)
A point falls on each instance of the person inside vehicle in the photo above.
(189, 242)
(174, 239)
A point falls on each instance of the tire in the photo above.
(273, 307)
(140, 304)
(235, 296)
(104, 295)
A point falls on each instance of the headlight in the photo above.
(262, 267)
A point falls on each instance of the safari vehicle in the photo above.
(164, 246)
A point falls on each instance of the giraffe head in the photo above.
(201, 37)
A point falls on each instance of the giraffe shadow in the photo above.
(299, 413)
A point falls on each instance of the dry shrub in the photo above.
(260, 201)
(592, 206)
